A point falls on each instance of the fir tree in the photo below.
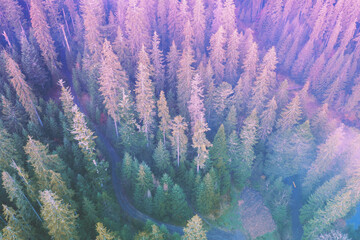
(161, 157)
(113, 81)
(194, 229)
(172, 58)
(67, 101)
(103, 233)
(222, 98)
(179, 139)
(179, 208)
(232, 57)
(201, 144)
(157, 59)
(282, 94)
(267, 119)
(228, 17)
(16, 227)
(11, 115)
(145, 102)
(23, 90)
(7, 150)
(185, 74)
(230, 123)
(199, 23)
(42, 35)
(163, 114)
(291, 115)
(250, 68)
(59, 218)
(217, 53)
(195, 104)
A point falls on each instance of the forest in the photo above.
(180, 119)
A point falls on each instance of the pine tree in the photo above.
(162, 24)
(179, 208)
(172, 58)
(145, 102)
(103, 233)
(163, 114)
(282, 94)
(157, 59)
(161, 157)
(265, 81)
(7, 150)
(201, 144)
(218, 16)
(250, 68)
(173, 6)
(230, 123)
(267, 119)
(43, 36)
(179, 139)
(12, 117)
(182, 16)
(113, 81)
(220, 159)
(59, 218)
(218, 54)
(194, 229)
(327, 152)
(160, 209)
(23, 90)
(31, 63)
(16, 227)
(12, 13)
(248, 137)
(232, 57)
(185, 74)
(188, 36)
(291, 115)
(223, 98)
(228, 17)
(196, 105)
(137, 27)
(199, 23)
(144, 186)
(67, 101)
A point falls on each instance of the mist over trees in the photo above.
(150, 119)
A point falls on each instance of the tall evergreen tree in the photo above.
(223, 98)
(267, 119)
(113, 81)
(157, 59)
(172, 58)
(179, 208)
(196, 105)
(229, 17)
(23, 90)
(232, 57)
(59, 218)
(161, 157)
(7, 150)
(291, 115)
(103, 233)
(145, 102)
(199, 24)
(179, 139)
(250, 68)
(201, 144)
(217, 53)
(194, 229)
(43, 36)
(163, 114)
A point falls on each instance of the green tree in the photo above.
(194, 229)
(59, 218)
(16, 227)
(163, 113)
(160, 205)
(161, 157)
(179, 208)
(7, 150)
(230, 123)
(291, 115)
(267, 119)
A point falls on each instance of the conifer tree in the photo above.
(232, 57)
(43, 36)
(163, 114)
(137, 27)
(7, 150)
(199, 24)
(218, 54)
(182, 16)
(223, 98)
(12, 117)
(265, 81)
(145, 102)
(228, 17)
(249, 67)
(327, 152)
(194, 229)
(172, 58)
(161, 157)
(103, 233)
(143, 187)
(23, 90)
(185, 74)
(179, 208)
(282, 94)
(59, 218)
(188, 36)
(291, 115)
(230, 123)
(219, 157)
(12, 13)
(31, 63)
(248, 137)
(157, 59)
(267, 119)
(238, 171)
(201, 144)
(67, 101)
(160, 209)
(113, 81)
(16, 227)
(218, 15)
(162, 24)
(173, 6)
(196, 105)
(179, 139)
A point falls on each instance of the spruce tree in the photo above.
(161, 157)
(201, 144)
(196, 104)
(144, 90)
(230, 123)
(291, 115)
(199, 24)
(8, 151)
(172, 59)
(267, 119)
(229, 17)
(194, 229)
(180, 210)
(218, 54)
(59, 218)
(157, 59)
(103, 233)
(179, 139)
(223, 98)
(232, 57)
(163, 114)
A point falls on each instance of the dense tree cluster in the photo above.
(197, 100)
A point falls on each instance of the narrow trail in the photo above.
(129, 209)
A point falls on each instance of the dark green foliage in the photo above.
(179, 208)
(161, 157)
